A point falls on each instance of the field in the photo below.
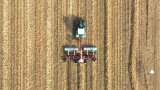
(34, 32)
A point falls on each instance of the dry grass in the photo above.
(33, 33)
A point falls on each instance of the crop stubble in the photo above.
(125, 32)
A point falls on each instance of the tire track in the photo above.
(69, 17)
(59, 43)
(13, 44)
(105, 45)
(130, 72)
(69, 76)
(20, 44)
(142, 48)
(81, 67)
(125, 43)
(134, 46)
(75, 67)
(128, 39)
(101, 45)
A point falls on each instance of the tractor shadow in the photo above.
(71, 25)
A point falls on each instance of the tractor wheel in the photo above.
(85, 61)
(64, 57)
(94, 59)
(76, 61)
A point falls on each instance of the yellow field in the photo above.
(33, 33)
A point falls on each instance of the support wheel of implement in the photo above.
(67, 59)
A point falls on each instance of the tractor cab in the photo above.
(80, 32)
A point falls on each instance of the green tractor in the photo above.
(80, 27)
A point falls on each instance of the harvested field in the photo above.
(34, 32)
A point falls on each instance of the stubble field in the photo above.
(34, 32)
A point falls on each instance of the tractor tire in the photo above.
(85, 61)
(94, 59)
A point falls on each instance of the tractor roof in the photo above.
(81, 31)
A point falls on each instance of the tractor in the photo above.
(82, 53)
(80, 30)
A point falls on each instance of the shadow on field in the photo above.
(71, 24)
